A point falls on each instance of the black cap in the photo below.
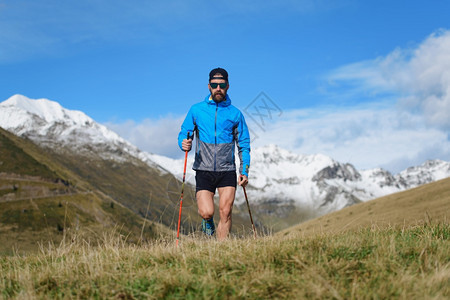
(220, 71)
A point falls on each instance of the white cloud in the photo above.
(153, 136)
(419, 77)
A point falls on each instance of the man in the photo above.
(218, 126)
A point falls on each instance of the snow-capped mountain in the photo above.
(48, 120)
(47, 123)
(328, 185)
(429, 171)
(277, 176)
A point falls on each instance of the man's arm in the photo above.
(243, 144)
(187, 126)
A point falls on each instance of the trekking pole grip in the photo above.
(189, 137)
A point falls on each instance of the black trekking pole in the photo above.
(249, 211)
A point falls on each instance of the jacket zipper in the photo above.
(215, 137)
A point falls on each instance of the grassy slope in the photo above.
(403, 255)
(430, 202)
(26, 223)
(369, 264)
(276, 217)
(23, 157)
(40, 200)
(14, 160)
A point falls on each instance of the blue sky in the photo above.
(364, 82)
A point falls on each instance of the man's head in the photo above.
(218, 84)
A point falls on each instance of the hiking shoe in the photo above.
(208, 227)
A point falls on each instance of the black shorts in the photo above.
(210, 180)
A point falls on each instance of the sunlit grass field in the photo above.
(385, 263)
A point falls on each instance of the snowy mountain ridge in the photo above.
(47, 123)
(277, 176)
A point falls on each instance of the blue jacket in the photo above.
(217, 127)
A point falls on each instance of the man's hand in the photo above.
(186, 144)
(243, 180)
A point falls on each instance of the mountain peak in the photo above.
(46, 121)
(429, 171)
(15, 100)
(48, 110)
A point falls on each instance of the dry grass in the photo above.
(26, 223)
(421, 205)
(390, 263)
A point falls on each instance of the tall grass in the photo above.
(389, 263)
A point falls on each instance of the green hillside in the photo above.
(14, 160)
(41, 200)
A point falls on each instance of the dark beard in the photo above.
(218, 97)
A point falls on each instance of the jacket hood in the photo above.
(224, 103)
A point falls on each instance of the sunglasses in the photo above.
(222, 85)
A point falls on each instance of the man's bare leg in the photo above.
(226, 200)
(205, 204)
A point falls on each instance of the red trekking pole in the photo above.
(182, 190)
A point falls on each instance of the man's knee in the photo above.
(225, 212)
(205, 213)
(205, 202)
